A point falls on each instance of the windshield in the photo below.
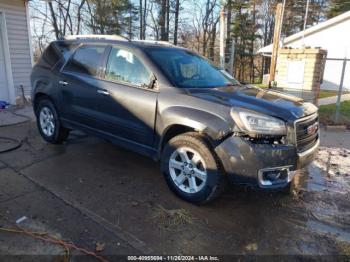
(188, 70)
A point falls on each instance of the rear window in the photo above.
(55, 52)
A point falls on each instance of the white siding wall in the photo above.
(17, 33)
(336, 40)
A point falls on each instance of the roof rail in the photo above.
(154, 42)
(106, 37)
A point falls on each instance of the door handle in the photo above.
(103, 92)
(64, 83)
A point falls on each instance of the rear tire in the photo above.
(49, 124)
(191, 169)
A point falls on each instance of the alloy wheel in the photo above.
(47, 121)
(187, 170)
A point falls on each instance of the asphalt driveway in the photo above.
(91, 192)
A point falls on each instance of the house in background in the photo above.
(333, 36)
(16, 58)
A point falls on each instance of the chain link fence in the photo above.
(336, 78)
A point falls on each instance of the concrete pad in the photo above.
(33, 148)
(26, 111)
(129, 192)
(14, 185)
(9, 118)
(46, 213)
(120, 193)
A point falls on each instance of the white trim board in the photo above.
(6, 51)
(29, 33)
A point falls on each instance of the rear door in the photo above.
(80, 84)
(129, 104)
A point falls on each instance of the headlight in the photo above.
(255, 123)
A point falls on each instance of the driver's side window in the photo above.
(124, 66)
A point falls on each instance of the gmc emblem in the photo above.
(312, 129)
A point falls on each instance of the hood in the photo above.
(269, 102)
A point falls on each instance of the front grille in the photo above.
(305, 139)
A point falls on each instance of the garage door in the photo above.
(4, 96)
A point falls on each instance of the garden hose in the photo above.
(17, 143)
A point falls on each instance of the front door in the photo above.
(129, 105)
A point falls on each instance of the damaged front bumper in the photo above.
(263, 165)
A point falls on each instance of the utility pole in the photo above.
(305, 20)
(276, 40)
(337, 111)
(222, 36)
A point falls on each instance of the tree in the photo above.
(295, 14)
(192, 23)
(154, 23)
(267, 16)
(176, 26)
(338, 7)
(167, 19)
(240, 33)
(62, 16)
(112, 17)
(162, 18)
(54, 21)
(143, 18)
(208, 23)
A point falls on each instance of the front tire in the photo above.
(49, 124)
(191, 170)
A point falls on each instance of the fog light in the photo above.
(274, 175)
(270, 177)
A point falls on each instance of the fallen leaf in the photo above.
(100, 246)
(252, 247)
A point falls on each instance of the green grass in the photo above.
(327, 113)
(261, 85)
(327, 93)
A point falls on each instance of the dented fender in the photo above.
(203, 122)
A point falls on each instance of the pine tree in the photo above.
(112, 17)
(295, 14)
(338, 7)
(245, 32)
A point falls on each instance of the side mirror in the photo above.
(152, 82)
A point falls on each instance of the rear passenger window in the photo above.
(86, 60)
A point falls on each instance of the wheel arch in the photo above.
(172, 131)
(39, 96)
(179, 120)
